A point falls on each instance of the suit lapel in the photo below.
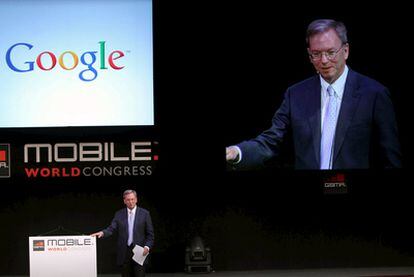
(125, 219)
(314, 113)
(349, 104)
(136, 217)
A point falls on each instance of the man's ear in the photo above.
(346, 50)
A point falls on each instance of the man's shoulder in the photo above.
(364, 81)
(308, 83)
(120, 212)
(142, 210)
(354, 77)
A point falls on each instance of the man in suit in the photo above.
(134, 227)
(335, 118)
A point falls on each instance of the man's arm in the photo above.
(386, 128)
(255, 152)
(149, 231)
(149, 234)
(109, 230)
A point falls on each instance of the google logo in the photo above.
(29, 66)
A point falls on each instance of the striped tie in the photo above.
(328, 130)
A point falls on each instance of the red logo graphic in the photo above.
(3, 155)
(4, 160)
(38, 245)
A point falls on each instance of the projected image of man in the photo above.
(336, 118)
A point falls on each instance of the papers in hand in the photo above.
(138, 257)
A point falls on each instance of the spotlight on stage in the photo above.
(197, 257)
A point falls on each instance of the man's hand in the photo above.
(98, 234)
(146, 251)
(232, 155)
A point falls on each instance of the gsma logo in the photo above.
(38, 245)
(4, 160)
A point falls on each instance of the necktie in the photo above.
(130, 227)
(328, 130)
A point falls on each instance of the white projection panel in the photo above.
(76, 63)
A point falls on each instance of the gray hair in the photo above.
(323, 25)
(129, 191)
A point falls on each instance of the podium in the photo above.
(63, 256)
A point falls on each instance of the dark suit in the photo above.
(143, 232)
(366, 118)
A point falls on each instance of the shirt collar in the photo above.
(338, 85)
(133, 210)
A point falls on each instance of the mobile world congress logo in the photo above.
(4, 160)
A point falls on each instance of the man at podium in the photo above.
(133, 225)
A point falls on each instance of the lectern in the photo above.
(63, 256)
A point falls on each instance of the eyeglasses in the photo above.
(330, 55)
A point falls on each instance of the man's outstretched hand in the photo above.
(98, 234)
(232, 155)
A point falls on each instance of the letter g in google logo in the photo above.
(112, 57)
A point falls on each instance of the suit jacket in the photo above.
(143, 231)
(366, 118)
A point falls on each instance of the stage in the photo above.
(338, 272)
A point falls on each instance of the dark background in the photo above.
(220, 72)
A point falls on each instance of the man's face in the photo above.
(130, 200)
(328, 44)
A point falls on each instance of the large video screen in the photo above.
(76, 63)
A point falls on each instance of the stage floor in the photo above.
(339, 272)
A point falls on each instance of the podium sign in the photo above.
(63, 256)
